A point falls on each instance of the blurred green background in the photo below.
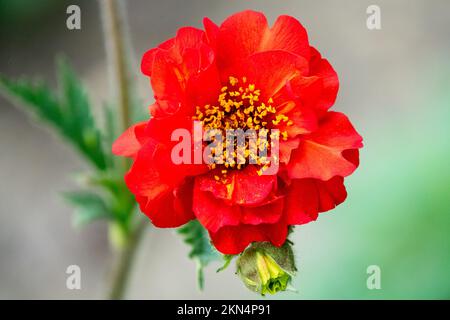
(395, 87)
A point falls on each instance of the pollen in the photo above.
(241, 106)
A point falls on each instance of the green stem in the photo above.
(114, 31)
(125, 261)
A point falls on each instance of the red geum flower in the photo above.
(291, 86)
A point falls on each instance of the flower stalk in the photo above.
(125, 260)
(115, 35)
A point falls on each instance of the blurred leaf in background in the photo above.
(88, 207)
(201, 249)
(69, 111)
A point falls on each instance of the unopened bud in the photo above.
(265, 268)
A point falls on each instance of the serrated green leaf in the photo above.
(79, 121)
(89, 207)
(68, 112)
(202, 251)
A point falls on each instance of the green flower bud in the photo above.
(265, 268)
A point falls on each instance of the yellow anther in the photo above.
(239, 107)
(233, 81)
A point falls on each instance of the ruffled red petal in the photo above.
(242, 187)
(179, 71)
(212, 32)
(304, 121)
(144, 179)
(323, 84)
(287, 34)
(215, 212)
(307, 197)
(270, 71)
(247, 32)
(234, 240)
(287, 147)
(171, 209)
(130, 142)
(320, 154)
(240, 36)
(153, 173)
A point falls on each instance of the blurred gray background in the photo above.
(394, 88)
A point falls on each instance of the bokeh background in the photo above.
(395, 87)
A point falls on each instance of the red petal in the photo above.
(181, 73)
(188, 38)
(352, 155)
(271, 70)
(212, 31)
(213, 213)
(144, 178)
(129, 143)
(240, 36)
(307, 197)
(317, 90)
(161, 129)
(320, 153)
(286, 148)
(331, 193)
(233, 240)
(147, 61)
(149, 56)
(247, 32)
(329, 82)
(267, 213)
(164, 108)
(243, 187)
(304, 121)
(204, 86)
(287, 34)
(167, 79)
(153, 172)
(172, 209)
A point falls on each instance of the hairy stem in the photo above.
(118, 52)
(114, 34)
(125, 262)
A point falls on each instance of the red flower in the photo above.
(292, 87)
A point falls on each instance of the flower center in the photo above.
(239, 106)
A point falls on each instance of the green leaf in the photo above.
(202, 251)
(89, 206)
(69, 112)
(121, 201)
(227, 260)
